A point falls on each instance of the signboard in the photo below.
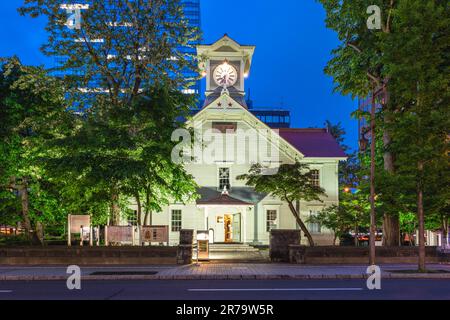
(79, 224)
(119, 234)
(155, 234)
(78, 221)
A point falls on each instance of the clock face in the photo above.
(225, 75)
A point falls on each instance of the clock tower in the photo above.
(225, 64)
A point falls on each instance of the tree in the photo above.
(333, 218)
(292, 182)
(420, 86)
(358, 68)
(127, 152)
(32, 105)
(338, 132)
(118, 47)
(121, 52)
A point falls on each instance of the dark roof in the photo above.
(313, 142)
(224, 199)
(237, 196)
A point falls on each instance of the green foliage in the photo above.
(410, 56)
(32, 105)
(119, 146)
(121, 46)
(292, 182)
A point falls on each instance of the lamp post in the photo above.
(372, 183)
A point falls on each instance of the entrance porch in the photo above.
(226, 218)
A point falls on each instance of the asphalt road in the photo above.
(392, 289)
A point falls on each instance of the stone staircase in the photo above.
(231, 247)
(236, 252)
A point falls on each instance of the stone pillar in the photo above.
(185, 248)
(279, 244)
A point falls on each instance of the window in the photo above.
(223, 127)
(224, 178)
(314, 227)
(176, 220)
(316, 178)
(132, 219)
(271, 221)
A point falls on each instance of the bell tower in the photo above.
(225, 64)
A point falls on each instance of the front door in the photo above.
(228, 221)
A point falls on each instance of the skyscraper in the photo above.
(193, 15)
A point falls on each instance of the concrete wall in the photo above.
(359, 255)
(88, 255)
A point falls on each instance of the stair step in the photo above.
(231, 251)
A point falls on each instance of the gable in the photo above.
(225, 49)
(226, 108)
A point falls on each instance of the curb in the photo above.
(226, 277)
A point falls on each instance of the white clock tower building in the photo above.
(225, 64)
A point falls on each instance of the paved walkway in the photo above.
(219, 271)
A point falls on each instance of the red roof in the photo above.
(313, 142)
(224, 199)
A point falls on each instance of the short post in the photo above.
(91, 234)
(106, 236)
(81, 236)
(139, 236)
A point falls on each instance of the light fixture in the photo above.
(246, 75)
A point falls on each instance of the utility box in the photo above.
(202, 245)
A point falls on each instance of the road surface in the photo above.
(392, 289)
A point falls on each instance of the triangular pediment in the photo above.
(228, 109)
(226, 45)
(225, 49)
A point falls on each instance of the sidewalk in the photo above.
(238, 271)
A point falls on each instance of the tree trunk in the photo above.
(148, 213)
(24, 197)
(301, 224)
(421, 219)
(39, 232)
(356, 235)
(139, 209)
(115, 209)
(445, 230)
(391, 222)
(391, 230)
(30, 233)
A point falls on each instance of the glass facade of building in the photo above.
(193, 14)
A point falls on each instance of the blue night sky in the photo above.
(292, 48)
